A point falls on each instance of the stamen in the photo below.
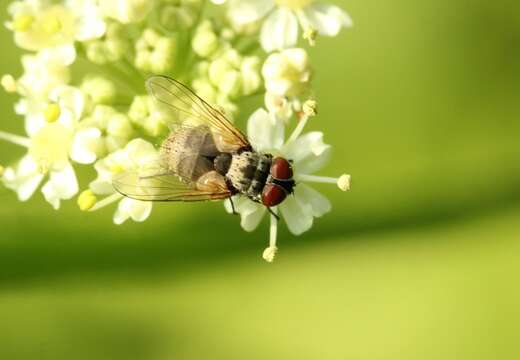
(343, 181)
(310, 34)
(86, 200)
(298, 129)
(106, 201)
(270, 252)
(52, 112)
(8, 83)
(15, 139)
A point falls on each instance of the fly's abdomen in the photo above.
(189, 152)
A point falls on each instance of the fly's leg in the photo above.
(233, 207)
(273, 213)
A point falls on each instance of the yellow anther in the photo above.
(310, 34)
(52, 112)
(22, 22)
(86, 200)
(116, 169)
(2, 170)
(8, 82)
(310, 108)
(344, 182)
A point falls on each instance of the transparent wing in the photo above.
(170, 95)
(162, 187)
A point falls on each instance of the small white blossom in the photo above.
(138, 155)
(280, 28)
(287, 73)
(309, 154)
(39, 25)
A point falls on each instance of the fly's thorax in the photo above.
(248, 173)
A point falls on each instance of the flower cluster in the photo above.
(104, 118)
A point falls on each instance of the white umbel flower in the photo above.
(287, 73)
(138, 155)
(39, 25)
(280, 28)
(309, 154)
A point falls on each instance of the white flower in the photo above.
(126, 11)
(138, 155)
(43, 72)
(309, 154)
(287, 73)
(280, 28)
(38, 25)
(54, 141)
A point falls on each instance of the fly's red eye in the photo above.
(273, 195)
(281, 169)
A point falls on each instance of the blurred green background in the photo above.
(421, 260)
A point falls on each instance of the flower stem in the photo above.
(15, 139)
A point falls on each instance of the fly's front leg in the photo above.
(234, 212)
(273, 213)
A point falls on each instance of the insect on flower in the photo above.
(205, 157)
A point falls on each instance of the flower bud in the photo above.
(119, 126)
(99, 89)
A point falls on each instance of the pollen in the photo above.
(22, 22)
(86, 200)
(52, 112)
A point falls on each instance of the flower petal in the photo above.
(25, 179)
(62, 185)
(251, 213)
(279, 31)
(86, 146)
(327, 19)
(141, 153)
(129, 208)
(297, 216)
(264, 131)
(319, 204)
(308, 152)
(246, 11)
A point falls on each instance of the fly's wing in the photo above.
(156, 186)
(184, 105)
